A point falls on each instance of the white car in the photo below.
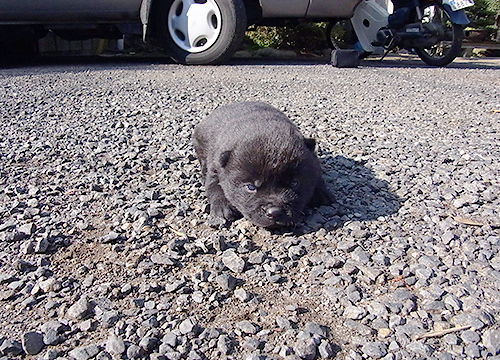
(191, 31)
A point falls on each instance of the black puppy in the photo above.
(256, 163)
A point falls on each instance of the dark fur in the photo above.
(256, 163)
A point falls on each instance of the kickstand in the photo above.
(389, 48)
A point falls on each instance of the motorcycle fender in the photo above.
(369, 17)
(456, 17)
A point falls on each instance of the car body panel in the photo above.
(109, 11)
(284, 8)
(74, 11)
(313, 9)
(332, 9)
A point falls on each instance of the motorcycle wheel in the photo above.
(341, 35)
(200, 31)
(447, 49)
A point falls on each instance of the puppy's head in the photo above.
(270, 180)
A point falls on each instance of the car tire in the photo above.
(200, 31)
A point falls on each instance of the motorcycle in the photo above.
(432, 28)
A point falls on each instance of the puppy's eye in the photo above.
(251, 188)
(294, 183)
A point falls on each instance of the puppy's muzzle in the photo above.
(279, 216)
(274, 213)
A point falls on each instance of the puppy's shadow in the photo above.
(359, 195)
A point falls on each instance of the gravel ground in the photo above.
(105, 252)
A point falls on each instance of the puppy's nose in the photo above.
(274, 212)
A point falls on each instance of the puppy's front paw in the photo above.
(216, 221)
(222, 212)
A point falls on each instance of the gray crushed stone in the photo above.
(105, 252)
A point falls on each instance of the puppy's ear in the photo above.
(224, 158)
(310, 143)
